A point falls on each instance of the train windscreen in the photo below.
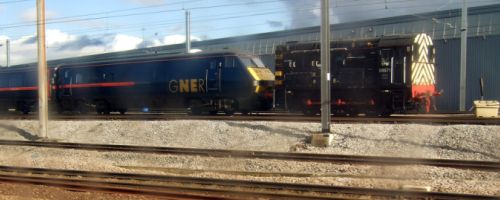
(252, 62)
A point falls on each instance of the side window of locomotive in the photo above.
(385, 57)
(78, 78)
(339, 59)
(104, 77)
(15, 81)
(213, 65)
(355, 59)
(3, 81)
(67, 77)
(110, 77)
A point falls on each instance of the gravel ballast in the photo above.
(472, 142)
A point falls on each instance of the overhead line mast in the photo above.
(463, 57)
(188, 31)
(325, 67)
(42, 69)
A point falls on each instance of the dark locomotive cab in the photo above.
(376, 76)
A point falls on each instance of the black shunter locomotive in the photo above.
(376, 76)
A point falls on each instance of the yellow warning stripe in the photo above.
(261, 74)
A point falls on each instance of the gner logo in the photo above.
(186, 86)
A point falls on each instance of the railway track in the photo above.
(282, 117)
(333, 158)
(205, 188)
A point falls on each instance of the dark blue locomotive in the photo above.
(204, 83)
(18, 89)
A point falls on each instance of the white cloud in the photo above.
(63, 45)
(30, 14)
(125, 42)
(177, 39)
(54, 37)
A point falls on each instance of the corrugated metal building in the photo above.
(444, 26)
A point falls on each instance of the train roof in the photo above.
(17, 69)
(382, 41)
(153, 57)
(85, 61)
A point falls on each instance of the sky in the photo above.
(77, 28)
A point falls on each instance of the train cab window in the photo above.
(251, 62)
(258, 62)
(246, 62)
(230, 62)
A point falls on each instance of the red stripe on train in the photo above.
(85, 85)
(14, 89)
(89, 85)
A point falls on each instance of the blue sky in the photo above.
(78, 28)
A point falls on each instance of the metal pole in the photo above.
(42, 69)
(188, 31)
(325, 68)
(7, 53)
(463, 58)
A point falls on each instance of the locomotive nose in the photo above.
(264, 89)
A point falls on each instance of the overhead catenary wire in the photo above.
(232, 27)
(235, 17)
(69, 18)
(58, 20)
(203, 19)
(207, 18)
(14, 1)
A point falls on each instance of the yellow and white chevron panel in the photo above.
(422, 67)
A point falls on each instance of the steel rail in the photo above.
(176, 192)
(253, 188)
(309, 157)
(272, 117)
